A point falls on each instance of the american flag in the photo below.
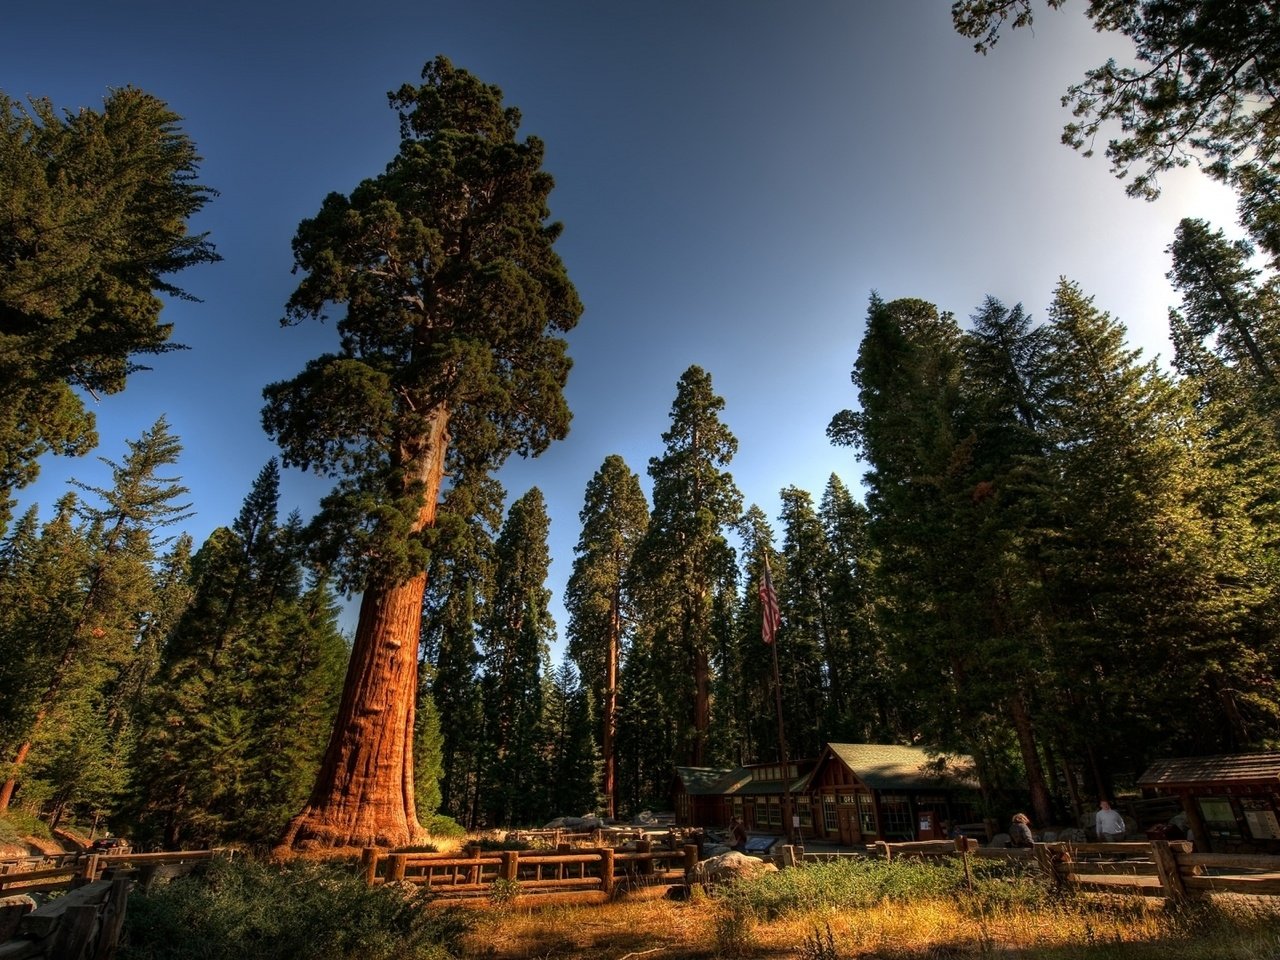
(771, 616)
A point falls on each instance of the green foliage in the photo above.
(1204, 87)
(245, 690)
(304, 911)
(96, 211)
(517, 635)
(454, 305)
(685, 554)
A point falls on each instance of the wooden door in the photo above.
(850, 834)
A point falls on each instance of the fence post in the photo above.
(1167, 870)
(396, 871)
(882, 850)
(645, 866)
(89, 870)
(606, 871)
(369, 865)
(690, 856)
(510, 865)
(963, 846)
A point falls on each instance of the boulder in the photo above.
(728, 868)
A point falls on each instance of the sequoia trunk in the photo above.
(364, 793)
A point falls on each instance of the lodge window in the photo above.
(866, 815)
(775, 812)
(804, 811)
(737, 808)
(895, 818)
(829, 822)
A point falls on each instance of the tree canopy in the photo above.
(96, 207)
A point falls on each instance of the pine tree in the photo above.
(247, 683)
(518, 633)
(1149, 596)
(861, 707)
(806, 652)
(685, 551)
(459, 586)
(600, 597)
(574, 761)
(94, 640)
(451, 354)
(96, 213)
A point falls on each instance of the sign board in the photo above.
(1263, 824)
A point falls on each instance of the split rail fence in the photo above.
(1160, 868)
(532, 878)
(86, 923)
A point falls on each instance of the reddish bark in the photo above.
(364, 793)
(611, 705)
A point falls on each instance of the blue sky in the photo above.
(734, 179)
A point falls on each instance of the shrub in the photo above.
(438, 825)
(302, 911)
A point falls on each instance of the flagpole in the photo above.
(771, 619)
(782, 747)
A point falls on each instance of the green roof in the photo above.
(890, 767)
(703, 780)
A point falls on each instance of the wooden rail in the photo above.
(1160, 868)
(87, 921)
(531, 878)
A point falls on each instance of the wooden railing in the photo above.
(1170, 869)
(87, 921)
(531, 878)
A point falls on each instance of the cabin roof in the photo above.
(892, 767)
(1223, 768)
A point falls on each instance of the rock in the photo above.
(728, 868)
(575, 823)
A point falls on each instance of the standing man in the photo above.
(1108, 824)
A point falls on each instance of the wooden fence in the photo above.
(532, 878)
(85, 924)
(1170, 869)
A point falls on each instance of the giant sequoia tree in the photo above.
(95, 217)
(449, 354)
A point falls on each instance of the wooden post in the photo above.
(690, 856)
(396, 872)
(89, 869)
(369, 865)
(510, 865)
(882, 850)
(1045, 859)
(606, 871)
(788, 855)
(645, 866)
(112, 923)
(963, 845)
(74, 932)
(1167, 869)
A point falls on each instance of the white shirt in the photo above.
(1108, 821)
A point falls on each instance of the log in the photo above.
(1255, 886)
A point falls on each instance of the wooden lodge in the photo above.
(852, 794)
(1231, 802)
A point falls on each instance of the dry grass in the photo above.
(701, 928)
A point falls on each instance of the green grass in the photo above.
(852, 884)
(16, 826)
